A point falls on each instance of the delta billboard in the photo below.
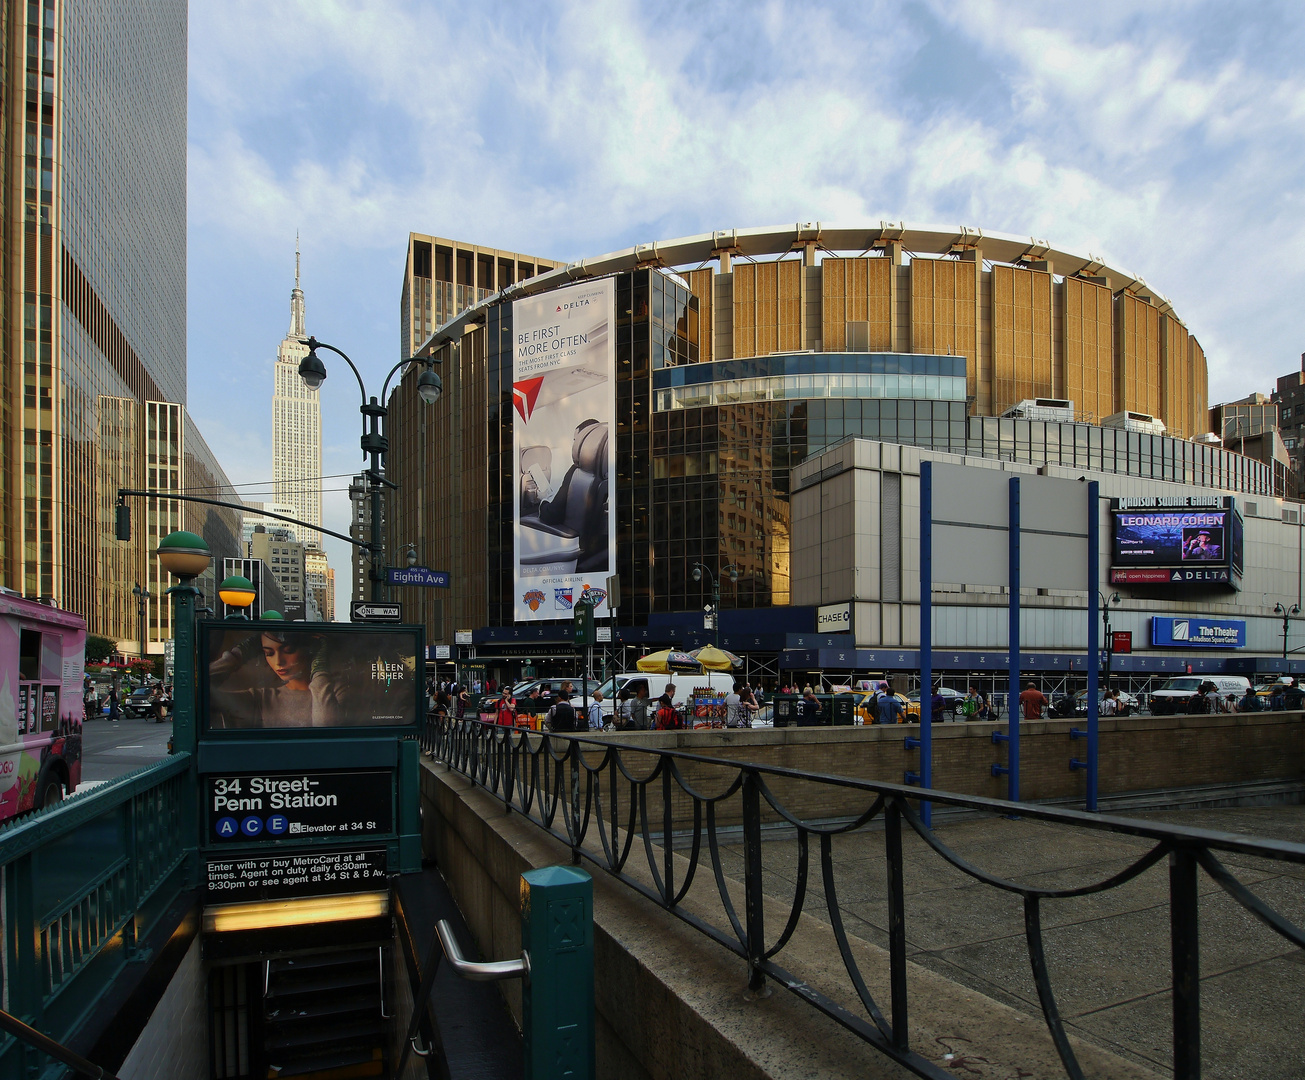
(1180, 540)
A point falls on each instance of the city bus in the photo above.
(42, 657)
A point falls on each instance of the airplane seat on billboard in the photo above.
(569, 533)
(532, 457)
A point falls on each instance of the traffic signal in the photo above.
(122, 521)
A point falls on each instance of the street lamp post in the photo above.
(1286, 613)
(374, 443)
(141, 595)
(1114, 598)
(698, 571)
(237, 593)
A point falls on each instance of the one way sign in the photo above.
(370, 611)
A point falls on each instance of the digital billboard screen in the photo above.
(260, 675)
(1171, 538)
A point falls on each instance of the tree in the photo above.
(99, 649)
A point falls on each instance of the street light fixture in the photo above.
(1114, 598)
(237, 592)
(141, 595)
(1286, 613)
(698, 571)
(185, 556)
(374, 442)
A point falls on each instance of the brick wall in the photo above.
(174, 1044)
(1136, 754)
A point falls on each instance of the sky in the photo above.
(1166, 138)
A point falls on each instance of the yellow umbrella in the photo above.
(668, 660)
(716, 659)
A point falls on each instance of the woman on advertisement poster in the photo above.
(298, 679)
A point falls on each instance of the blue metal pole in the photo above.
(1094, 595)
(926, 635)
(1013, 702)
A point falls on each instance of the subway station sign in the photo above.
(1198, 633)
(254, 807)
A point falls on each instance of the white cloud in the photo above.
(1167, 139)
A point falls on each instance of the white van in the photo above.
(721, 682)
(1177, 692)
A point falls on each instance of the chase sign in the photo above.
(1198, 633)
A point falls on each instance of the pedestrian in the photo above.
(1250, 701)
(113, 704)
(1293, 698)
(639, 718)
(506, 713)
(1229, 703)
(733, 707)
(1032, 701)
(937, 704)
(463, 699)
(1278, 699)
(157, 703)
(596, 711)
(667, 700)
(561, 717)
(491, 685)
(748, 706)
(888, 706)
(1109, 704)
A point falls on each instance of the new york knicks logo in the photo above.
(533, 599)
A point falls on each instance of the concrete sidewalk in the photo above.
(1108, 954)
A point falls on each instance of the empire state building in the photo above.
(296, 427)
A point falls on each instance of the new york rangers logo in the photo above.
(562, 599)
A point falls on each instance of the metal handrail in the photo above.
(580, 780)
(47, 1045)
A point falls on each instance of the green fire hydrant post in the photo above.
(557, 933)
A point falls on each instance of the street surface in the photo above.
(109, 750)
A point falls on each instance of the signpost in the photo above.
(417, 575)
(372, 611)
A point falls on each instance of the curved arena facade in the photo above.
(735, 357)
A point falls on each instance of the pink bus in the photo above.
(42, 656)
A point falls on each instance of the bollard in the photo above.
(557, 934)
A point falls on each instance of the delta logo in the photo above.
(524, 396)
(571, 305)
(533, 599)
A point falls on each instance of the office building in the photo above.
(296, 427)
(1289, 397)
(722, 379)
(283, 556)
(320, 577)
(94, 271)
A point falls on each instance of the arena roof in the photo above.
(690, 251)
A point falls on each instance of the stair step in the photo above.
(320, 1037)
(322, 980)
(340, 1005)
(340, 1066)
(318, 960)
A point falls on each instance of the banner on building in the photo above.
(564, 401)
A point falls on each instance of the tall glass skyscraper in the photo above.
(93, 329)
(296, 427)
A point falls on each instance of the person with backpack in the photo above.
(668, 716)
(562, 717)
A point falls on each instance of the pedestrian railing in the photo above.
(605, 798)
(81, 882)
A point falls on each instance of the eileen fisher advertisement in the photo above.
(563, 392)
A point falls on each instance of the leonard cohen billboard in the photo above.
(564, 399)
(335, 675)
(1167, 538)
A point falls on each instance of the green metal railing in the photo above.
(81, 883)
